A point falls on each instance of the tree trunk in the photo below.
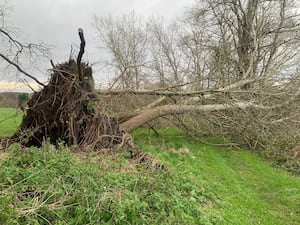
(154, 113)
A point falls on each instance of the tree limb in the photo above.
(183, 93)
(20, 69)
(160, 111)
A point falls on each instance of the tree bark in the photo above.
(154, 113)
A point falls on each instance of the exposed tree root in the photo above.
(65, 111)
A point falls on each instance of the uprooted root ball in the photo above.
(64, 111)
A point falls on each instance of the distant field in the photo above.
(10, 119)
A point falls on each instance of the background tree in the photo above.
(166, 54)
(125, 39)
(249, 39)
(252, 45)
(192, 42)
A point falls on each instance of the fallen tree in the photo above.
(262, 117)
(67, 110)
(244, 89)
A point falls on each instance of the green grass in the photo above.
(10, 119)
(43, 186)
(251, 191)
(204, 185)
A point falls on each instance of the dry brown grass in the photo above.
(3, 155)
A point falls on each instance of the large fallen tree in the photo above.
(232, 73)
(67, 110)
(228, 68)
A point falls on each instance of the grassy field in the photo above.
(251, 191)
(203, 185)
(9, 121)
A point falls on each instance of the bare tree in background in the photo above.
(14, 50)
(166, 54)
(256, 38)
(253, 48)
(193, 43)
(126, 39)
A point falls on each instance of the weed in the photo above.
(46, 186)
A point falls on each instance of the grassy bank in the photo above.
(203, 185)
(251, 191)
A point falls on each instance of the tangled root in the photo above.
(65, 111)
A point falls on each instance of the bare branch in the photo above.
(167, 92)
(20, 69)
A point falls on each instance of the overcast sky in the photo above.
(55, 22)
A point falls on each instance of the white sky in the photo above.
(55, 22)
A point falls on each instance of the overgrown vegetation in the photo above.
(203, 185)
(50, 187)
